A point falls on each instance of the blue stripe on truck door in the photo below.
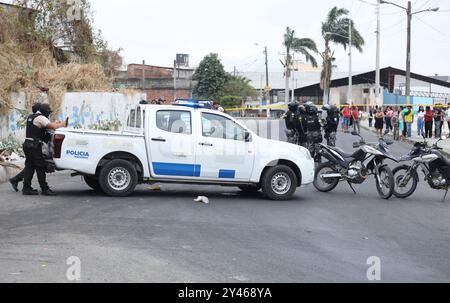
(175, 169)
(227, 174)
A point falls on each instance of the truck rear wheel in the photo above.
(279, 183)
(118, 178)
(92, 182)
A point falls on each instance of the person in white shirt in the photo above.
(447, 116)
(420, 122)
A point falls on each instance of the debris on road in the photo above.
(154, 188)
(202, 199)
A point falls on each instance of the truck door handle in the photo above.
(206, 144)
(180, 155)
(159, 139)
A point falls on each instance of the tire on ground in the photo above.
(279, 182)
(118, 178)
(250, 188)
(391, 183)
(92, 182)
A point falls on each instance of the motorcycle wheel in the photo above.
(399, 173)
(386, 187)
(325, 185)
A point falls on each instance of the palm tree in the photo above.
(336, 30)
(304, 46)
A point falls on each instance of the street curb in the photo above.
(406, 140)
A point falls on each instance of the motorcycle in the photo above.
(434, 165)
(357, 167)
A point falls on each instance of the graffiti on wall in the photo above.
(85, 116)
(84, 110)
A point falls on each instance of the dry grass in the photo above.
(32, 69)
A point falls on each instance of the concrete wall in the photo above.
(339, 95)
(81, 108)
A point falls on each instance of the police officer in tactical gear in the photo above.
(291, 120)
(303, 126)
(36, 134)
(331, 124)
(313, 130)
(19, 178)
(295, 124)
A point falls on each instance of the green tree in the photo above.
(211, 78)
(304, 46)
(230, 101)
(239, 86)
(335, 30)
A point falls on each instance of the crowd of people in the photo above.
(399, 120)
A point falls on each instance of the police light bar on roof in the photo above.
(193, 103)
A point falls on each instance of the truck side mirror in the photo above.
(248, 136)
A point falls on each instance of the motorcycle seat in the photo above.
(342, 153)
(446, 161)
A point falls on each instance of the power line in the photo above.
(434, 28)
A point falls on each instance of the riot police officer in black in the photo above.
(303, 126)
(36, 133)
(291, 120)
(331, 124)
(313, 130)
(296, 128)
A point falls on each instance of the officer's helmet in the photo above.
(293, 106)
(326, 107)
(334, 109)
(311, 109)
(36, 107)
(45, 109)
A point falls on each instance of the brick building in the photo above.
(157, 81)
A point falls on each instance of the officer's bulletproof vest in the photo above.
(332, 119)
(289, 119)
(34, 132)
(312, 123)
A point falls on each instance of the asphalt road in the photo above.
(167, 237)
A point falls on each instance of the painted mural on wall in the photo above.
(103, 111)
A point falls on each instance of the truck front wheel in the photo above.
(250, 188)
(118, 178)
(279, 183)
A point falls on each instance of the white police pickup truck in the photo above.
(183, 143)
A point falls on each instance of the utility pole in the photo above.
(408, 56)
(267, 76)
(174, 80)
(143, 74)
(409, 14)
(234, 71)
(377, 73)
(350, 76)
(267, 66)
(261, 94)
(293, 76)
(293, 85)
